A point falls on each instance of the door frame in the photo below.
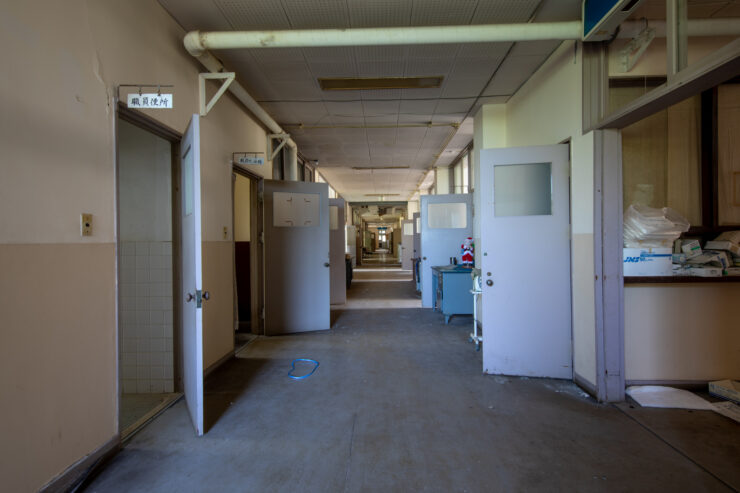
(149, 124)
(256, 254)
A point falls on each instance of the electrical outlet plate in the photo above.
(86, 224)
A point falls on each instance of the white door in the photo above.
(417, 235)
(407, 244)
(337, 247)
(191, 297)
(525, 254)
(446, 220)
(296, 216)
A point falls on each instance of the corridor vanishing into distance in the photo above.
(399, 403)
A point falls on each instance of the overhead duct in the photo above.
(197, 42)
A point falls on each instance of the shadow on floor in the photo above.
(225, 385)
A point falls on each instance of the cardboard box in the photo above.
(728, 389)
(647, 261)
(729, 246)
(731, 236)
(704, 272)
(691, 248)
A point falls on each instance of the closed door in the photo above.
(296, 256)
(446, 220)
(191, 293)
(525, 240)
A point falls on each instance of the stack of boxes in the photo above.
(652, 247)
(720, 257)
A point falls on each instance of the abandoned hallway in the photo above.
(399, 403)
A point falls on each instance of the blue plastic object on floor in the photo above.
(292, 368)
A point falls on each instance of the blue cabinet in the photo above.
(451, 285)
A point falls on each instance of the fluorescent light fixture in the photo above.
(375, 83)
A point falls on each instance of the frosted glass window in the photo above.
(295, 209)
(447, 215)
(418, 224)
(522, 190)
(333, 217)
(408, 229)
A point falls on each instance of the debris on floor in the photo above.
(726, 389)
(668, 397)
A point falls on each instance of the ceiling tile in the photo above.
(512, 74)
(534, 47)
(442, 12)
(504, 11)
(379, 108)
(250, 15)
(453, 105)
(316, 14)
(379, 13)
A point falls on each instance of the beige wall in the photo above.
(682, 332)
(57, 291)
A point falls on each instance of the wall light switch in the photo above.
(86, 224)
(226, 233)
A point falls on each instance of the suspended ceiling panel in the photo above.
(414, 128)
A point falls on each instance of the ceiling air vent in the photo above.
(375, 83)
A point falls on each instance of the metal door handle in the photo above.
(489, 283)
(189, 297)
(423, 258)
(326, 264)
(206, 295)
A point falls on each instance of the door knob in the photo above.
(489, 283)
(423, 258)
(206, 295)
(189, 297)
(326, 264)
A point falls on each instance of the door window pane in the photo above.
(661, 160)
(187, 169)
(333, 217)
(447, 215)
(408, 229)
(522, 190)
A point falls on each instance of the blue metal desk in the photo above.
(451, 286)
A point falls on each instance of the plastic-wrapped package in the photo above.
(655, 228)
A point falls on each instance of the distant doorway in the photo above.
(247, 258)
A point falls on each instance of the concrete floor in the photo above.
(399, 404)
(381, 288)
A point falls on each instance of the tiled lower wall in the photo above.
(146, 317)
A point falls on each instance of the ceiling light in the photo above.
(374, 83)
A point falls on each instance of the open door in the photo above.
(191, 289)
(525, 239)
(296, 232)
(417, 235)
(337, 247)
(407, 244)
(446, 220)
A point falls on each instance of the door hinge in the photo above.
(262, 237)
(260, 196)
(198, 298)
(262, 314)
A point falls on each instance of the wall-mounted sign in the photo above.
(150, 101)
(250, 158)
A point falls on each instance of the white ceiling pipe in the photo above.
(211, 63)
(197, 42)
(696, 27)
